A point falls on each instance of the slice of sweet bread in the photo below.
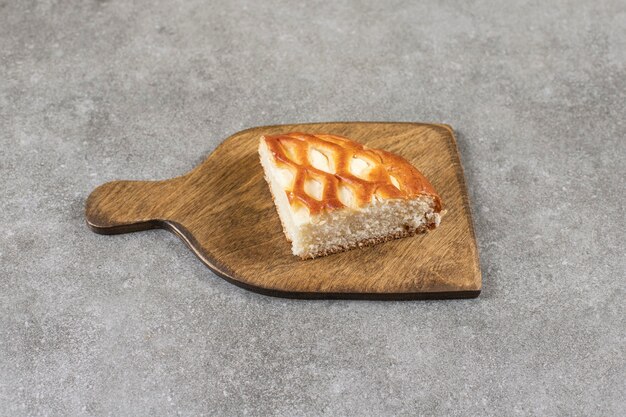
(333, 194)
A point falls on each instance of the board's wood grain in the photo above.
(224, 211)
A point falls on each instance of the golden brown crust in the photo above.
(291, 151)
(369, 242)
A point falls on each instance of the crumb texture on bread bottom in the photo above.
(329, 250)
(346, 229)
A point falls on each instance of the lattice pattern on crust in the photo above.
(328, 172)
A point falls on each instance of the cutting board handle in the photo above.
(128, 206)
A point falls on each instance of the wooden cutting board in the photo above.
(224, 212)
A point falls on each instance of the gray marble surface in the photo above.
(92, 91)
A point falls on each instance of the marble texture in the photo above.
(92, 91)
